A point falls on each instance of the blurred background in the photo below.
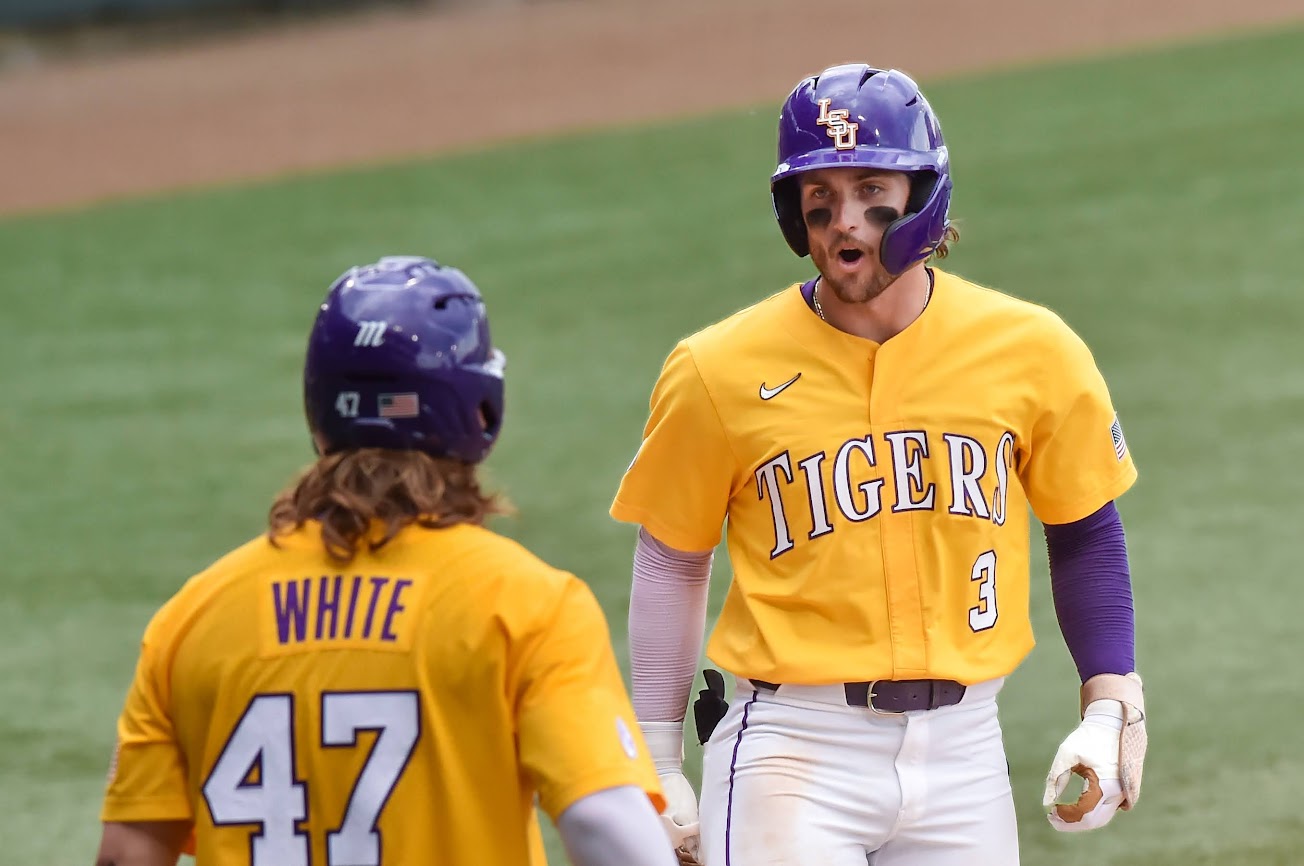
(181, 181)
(49, 15)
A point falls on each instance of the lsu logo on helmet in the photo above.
(839, 128)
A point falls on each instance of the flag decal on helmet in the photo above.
(399, 405)
(839, 128)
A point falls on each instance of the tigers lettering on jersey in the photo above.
(858, 492)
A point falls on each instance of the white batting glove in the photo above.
(1092, 750)
(665, 743)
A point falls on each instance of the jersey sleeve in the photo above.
(1077, 460)
(679, 483)
(147, 781)
(576, 728)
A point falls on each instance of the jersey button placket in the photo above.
(904, 605)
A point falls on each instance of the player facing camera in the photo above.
(871, 442)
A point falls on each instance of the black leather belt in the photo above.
(894, 696)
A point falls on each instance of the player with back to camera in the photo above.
(872, 439)
(380, 680)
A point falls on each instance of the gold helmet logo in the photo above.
(840, 129)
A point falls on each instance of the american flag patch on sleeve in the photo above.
(405, 405)
(1120, 444)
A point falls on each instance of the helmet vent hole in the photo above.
(913, 100)
(868, 74)
(441, 303)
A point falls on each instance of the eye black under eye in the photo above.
(819, 217)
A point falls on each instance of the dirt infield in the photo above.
(386, 86)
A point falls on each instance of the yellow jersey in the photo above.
(876, 496)
(406, 708)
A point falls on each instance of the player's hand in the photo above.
(665, 742)
(1108, 750)
(680, 818)
(1091, 752)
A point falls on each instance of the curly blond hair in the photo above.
(351, 493)
(952, 235)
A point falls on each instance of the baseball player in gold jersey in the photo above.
(873, 440)
(379, 680)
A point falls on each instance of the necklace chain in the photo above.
(819, 311)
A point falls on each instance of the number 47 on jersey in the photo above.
(275, 804)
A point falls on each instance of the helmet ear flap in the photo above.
(787, 210)
(915, 236)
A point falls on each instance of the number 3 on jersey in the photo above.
(263, 742)
(984, 615)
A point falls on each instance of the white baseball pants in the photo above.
(796, 777)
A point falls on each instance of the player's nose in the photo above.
(846, 218)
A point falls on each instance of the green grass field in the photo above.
(151, 401)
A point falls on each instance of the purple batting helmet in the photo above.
(400, 357)
(856, 115)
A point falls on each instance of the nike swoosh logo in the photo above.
(770, 393)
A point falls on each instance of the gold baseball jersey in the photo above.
(405, 708)
(876, 496)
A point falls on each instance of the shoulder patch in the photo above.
(1120, 444)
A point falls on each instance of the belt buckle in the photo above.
(875, 710)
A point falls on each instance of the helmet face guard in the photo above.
(400, 357)
(857, 116)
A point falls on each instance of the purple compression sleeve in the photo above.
(1092, 588)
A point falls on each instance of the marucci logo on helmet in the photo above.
(839, 128)
(370, 334)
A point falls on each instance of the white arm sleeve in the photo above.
(667, 621)
(617, 825)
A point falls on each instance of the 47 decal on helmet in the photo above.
(347, 404)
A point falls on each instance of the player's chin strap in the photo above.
(1132, 743)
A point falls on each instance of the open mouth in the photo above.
(850, 256)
